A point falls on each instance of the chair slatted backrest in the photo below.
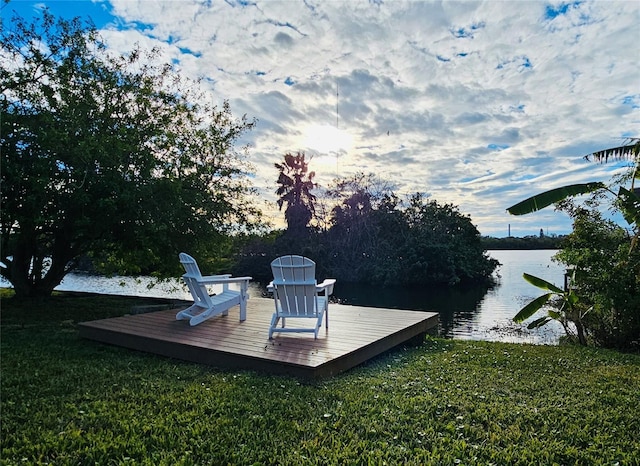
(191, 277)
(294, 280)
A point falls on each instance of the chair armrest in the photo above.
(213, 279)
(326, 285)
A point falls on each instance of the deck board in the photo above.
(355, 335)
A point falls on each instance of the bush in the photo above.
(607, 278)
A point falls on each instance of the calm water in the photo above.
(476, 314)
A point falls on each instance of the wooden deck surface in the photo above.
(355, 335)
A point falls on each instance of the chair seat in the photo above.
(226, 298)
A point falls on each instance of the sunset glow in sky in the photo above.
(479, 104)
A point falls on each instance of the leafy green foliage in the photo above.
(603, 302)
(532, 307)
(542, 284)
(108, 157)
(71, 401)
(375, 238)
(606, 277)
(564, 309)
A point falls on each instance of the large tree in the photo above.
(375, 238)
(109, 157)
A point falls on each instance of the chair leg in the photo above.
(274, 324)
(243, 309)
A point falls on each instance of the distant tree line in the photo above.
(526, 242)
(369, 235)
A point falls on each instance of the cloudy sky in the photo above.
(479, 104)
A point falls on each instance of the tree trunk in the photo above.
(26, 272)
(581, 336)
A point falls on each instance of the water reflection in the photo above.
(454, 304)
(477, 313)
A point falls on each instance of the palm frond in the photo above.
(629, 150)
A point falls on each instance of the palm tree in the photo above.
(295, 185)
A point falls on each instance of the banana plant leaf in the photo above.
(555, 315)
(532, 308)
(572, 299)
(629, 150)
(542, 284)
(539, 322)
(545, 199)
(629, 205)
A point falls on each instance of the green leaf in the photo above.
(629, 205)
(554, 314)
(542, 284)
(572, 298)
(539, 322)
(531, 308)
(630, 150)
(542, 200)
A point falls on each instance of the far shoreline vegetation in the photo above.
(525, 242)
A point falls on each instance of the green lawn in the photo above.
(71, 401)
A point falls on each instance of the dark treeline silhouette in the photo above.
(369, 235)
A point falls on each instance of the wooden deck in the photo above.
(355, 335)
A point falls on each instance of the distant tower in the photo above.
(509, 231)
(541, 233)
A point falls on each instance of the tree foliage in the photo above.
(110, 157)
(375, 237)
(606, 278)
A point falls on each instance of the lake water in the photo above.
(476, 313)
(469, 313)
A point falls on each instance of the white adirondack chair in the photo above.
(297, 294)
(204, 306)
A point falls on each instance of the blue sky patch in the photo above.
(467, 32)
(632, 101)
(98, 12)
(553, 11)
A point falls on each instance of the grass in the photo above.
(66, 400)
